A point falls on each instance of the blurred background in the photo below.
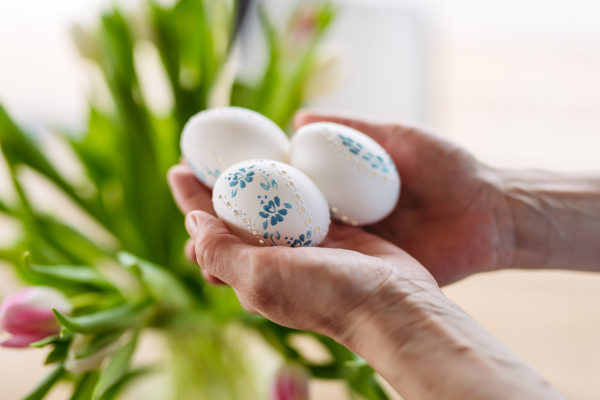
(517, 82)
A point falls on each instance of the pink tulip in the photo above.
(291, 383)
(28, 316)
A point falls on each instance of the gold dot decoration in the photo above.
(302, 210)
(246, 221)
(349, 158)
(254, 232)
(228, 204)
(207, 154)
(220, 197)
(318, 229)
(237, 213)
(219, 160)
(309, 221)
(297, 196)
(373, 174)
(344, 218)
(290, 184)
(334, 209)
(261, 241)
(362, 166)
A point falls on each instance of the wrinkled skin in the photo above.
(452, 217)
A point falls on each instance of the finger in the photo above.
(245, 305)
(188, 192)
(218, 252)
(190, 250)
(357, 239)
(380, 132)
(190, 254)
(213, 280)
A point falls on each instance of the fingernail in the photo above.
(191, 224)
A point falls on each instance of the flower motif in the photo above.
(268, 235)
(302, 241)
(377, 161)
(354, 147)
(28, 316)
(241, 178)
(274, 211)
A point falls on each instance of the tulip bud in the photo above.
(28, 316)
(291, 383)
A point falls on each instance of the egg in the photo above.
(217, 138)
(357, 176)
(269, 203)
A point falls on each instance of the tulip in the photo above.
(291, 383)
(28, 317)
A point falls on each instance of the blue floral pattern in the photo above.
(268, 235)
(274, 211)
(377, 162)
(302, 241)
(240, 178)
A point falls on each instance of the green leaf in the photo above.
(45, 342)
(120, 317)
(59, 353)
(166, 289)
(69, 279)
(115, 389)
(84, 275)
(84, 388)
(4, 208)
(116, 369)
(42, 389)
(19, 148)
(363, 382)
(98, 342)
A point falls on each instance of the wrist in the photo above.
(426, 347)
(555, 218)
(394, 318)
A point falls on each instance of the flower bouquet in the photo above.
(91, 300)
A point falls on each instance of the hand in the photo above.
(452, 215)
(367, 294)
(329, 289)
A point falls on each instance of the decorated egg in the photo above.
(356, 175)
(217, 138)
(269, 203)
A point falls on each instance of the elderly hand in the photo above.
(452, 216)
(326, 289)
(367, 294)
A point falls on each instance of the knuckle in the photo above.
(264, 280)
(206, 251)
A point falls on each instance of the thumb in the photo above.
(380, 132)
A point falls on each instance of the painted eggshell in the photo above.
(269, 203)
(217, 138)
(356, 175)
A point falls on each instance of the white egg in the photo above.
(217, 138)
(269, 203)
(357, 176)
